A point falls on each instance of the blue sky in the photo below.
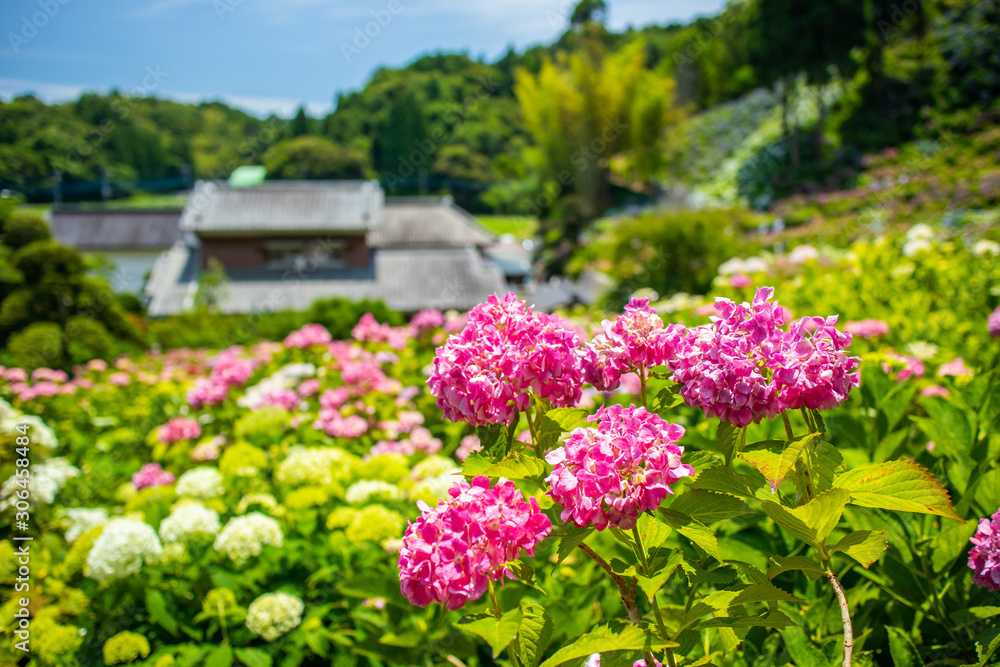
(268, 55)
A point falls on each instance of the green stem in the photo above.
(788, 426)
(642, 385)
(641, 551)
(498, 612)
(534, 435)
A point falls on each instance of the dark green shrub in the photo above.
(22, 229)
(47, 257)
(37, 345)
(87, 339)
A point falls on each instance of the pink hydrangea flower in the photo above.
(331, 399)
(993, 323)
(421, 440)
(634, 341)
(984, 557)
(608, 475)
(483, 374)
(361, 376)
(935, 390)
(307, 336)
(425, 322)
(811, 369)
(956, 367)
(177, 429)
(15, 375)
(283, 398)
(151, 474)
(743, 366)
(120, 379)
(50, 375)
(308, 388)
(205, 392)
(469, 444)
(336, 425)
(740, 280)
(869, 328)
(904, 367)
(452, 551)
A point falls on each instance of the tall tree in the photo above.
(300, 124)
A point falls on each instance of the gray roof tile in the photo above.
(109, 229)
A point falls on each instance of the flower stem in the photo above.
(788, 426)
(498, 613)
(642, 385)
(641, 551)
(845, 615)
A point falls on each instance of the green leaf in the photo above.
(652, 531)
(774, 463)
(805, 564)
(515, 466)
(221, 656)
(766, 592)
(557, 421)
(825, 461)
(604, 639)
(897, 485)
(803, 653)
(772, 619)
(156, 605)
(525, 574)
(474, 465)
(571, 540)
(953, 419)
(497, 632)
(694, 530)
(650, 585)
(904, 652)
(726, 480)
(813, 522)
(864, 546)
(534, 634)
(667, 398)
(950, 543)
(253, 657)
(731, 440)
(709, 506)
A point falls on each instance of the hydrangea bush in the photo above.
(510, 487)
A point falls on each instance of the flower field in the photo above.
(806, 474)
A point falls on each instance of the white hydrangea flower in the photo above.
(802, 254)
(122, 548)
(922, 350)
(201, 482)
(38, 431)
(188, 520)
(81, 519)
(245, 536)
(986, 247)
(274, 614)
(431, 489)
(265, 500)
(366, 490)
(7, 412)
(45, 481)
(315, 466)
(286, 377)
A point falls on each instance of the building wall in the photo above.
(131, 268)
(249, 252)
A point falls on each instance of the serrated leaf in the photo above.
(763, 593)
(534, 633)
(726, 480)
(825, 460)
(221, 656)
(253, 657)
(897, 485)
(650, 585)
(805, 564)
(774, 463)
(709, 506)
(631, 638)
(693, 530)
(904, 653)
(813, 522)
(515, 466)
(557, 421)
(652, 531)
(772, 619)
(864, 546)
(524, 573)
(731, 440)
(667, 398)
(571, 540)
(474, 465)
(497, 632)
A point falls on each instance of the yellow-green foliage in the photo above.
(264, 425)
(242, 460)
(125, 647)
(385, 467)
(374, 523)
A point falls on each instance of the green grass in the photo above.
(521, 227)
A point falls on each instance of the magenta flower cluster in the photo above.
(635, 341)
(228, 370)
(482, 375)
(451, 552)
(608, 475)
(425, 322)
(177, 429)
(150, 475)
(984, 557)
(870, 328)
(744, 366)
(993, 323)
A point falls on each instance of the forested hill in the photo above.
(449, 123)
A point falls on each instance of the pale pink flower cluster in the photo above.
(421, 440)
(469, 444)
(984, 557)
(368, 330)
(334, 424)
(425, 322)
(869, 328)
(120, 379)
(904, 367)
(451, 552)
(634, 341)
(361, 377)
(27, 392)
(308, 388)
(282, 398)
(151, 474)
(956, 368)
(483, 374)
(993, 323)
(307, 336)
(49, 375)
(15, 375)
(610, 474)
(744, 366)
(177, 429)
(228, 370)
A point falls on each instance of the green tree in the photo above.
(300, 124)
(311, 157)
